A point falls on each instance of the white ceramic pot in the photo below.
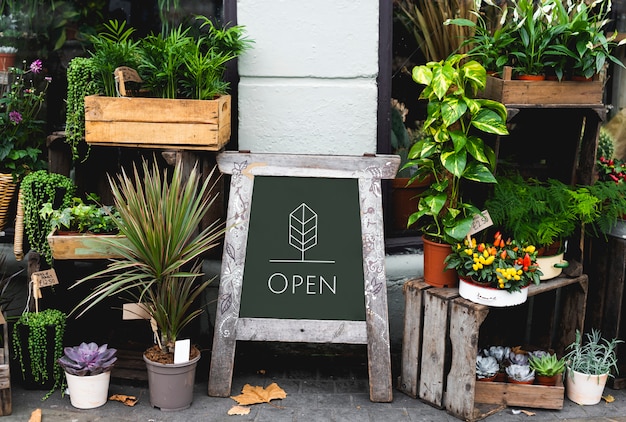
(90, 391)
(551, 266)
(490, 296)
(584, 389)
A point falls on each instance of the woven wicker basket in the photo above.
(7, 191)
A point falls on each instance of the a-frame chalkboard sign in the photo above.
(304, 258)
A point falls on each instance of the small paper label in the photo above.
(481, 222)
(46, 278)
(134, 311)
(181, 351)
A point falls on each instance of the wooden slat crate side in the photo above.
(434, 345)
(535, 396)
(465, 320)
(200, 135)
(155, 110)
(542, 92)
(81, 247)
(413, 291)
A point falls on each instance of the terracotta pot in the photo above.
(512, 381)
(500, 377)
(435, 273)
(7, 60)
(546, 380)
(404, 200)
(531, 77)
(581, 78)
(487, 379)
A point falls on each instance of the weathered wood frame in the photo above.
(374, 331)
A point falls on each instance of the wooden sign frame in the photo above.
(374, 331)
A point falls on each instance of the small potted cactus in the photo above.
(88, 372)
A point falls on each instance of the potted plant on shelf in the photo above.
(495, 274)
(88, 373)
(520, 374)
(450, 153)
(547, 367)
(589, 364)
(37, 342)
(544, 214)
(487, 367)
(160, 267)
(38, 188)
(78, 230)
(180, 71)
(22, 131)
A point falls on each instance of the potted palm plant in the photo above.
(160, 267)
(88, 372)
(589, 364)
(451, 152)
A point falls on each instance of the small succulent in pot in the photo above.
(486, 366)
(546, 364)
(501, 353)
(88, 359)
(520, 373)
(518, 358)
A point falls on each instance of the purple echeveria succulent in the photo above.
(88, 359)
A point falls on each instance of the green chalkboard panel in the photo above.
(304, 255)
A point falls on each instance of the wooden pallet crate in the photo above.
(158, 122)
(81, 246)
(440, 369)
(6, 407)
(509, 91)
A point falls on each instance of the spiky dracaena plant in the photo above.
(160, 264)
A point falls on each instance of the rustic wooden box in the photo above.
(509, 91)
(536, 396)
(158, 122)
(6, 407)
(441, 340)
(81, 246)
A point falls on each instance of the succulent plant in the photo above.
(546, 364)
(518, 358)
(486, 366)
(521, 373)
(88, 359)
(498, 352)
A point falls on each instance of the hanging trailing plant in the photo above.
(38, 188)
(37, 349)
(82, 79)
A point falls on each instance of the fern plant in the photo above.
(540, 213)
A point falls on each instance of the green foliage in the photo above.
(160, 264)
(21, 127)
(112, 48)
(38, 345)
(451, 150)
(540, 213)
(547, 364)
(611, 206)
(81, 217)
(82, 79)
(596, 356)
(37, 188)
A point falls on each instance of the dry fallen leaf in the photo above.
(254, 395)
(239, 410)
(35, 416)
(127, 400)
(528, 413)
(608, 398)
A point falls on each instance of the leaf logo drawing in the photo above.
(303, 233)
(303, 229)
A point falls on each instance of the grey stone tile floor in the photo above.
(324, 387)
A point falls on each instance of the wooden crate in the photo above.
(158, 122)
(6, 407)
(513, 92)
(81, 246)
(536, 396)
(440, 346)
